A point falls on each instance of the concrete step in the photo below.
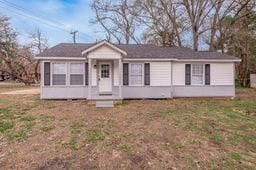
(105, 103)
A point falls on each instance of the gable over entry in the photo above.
(104, 50)
(105, 70)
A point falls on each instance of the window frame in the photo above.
(130, 74)
(100, 73)
(42, 73)
(52, 73)
(69, 73)
(191, 75)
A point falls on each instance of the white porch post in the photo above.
(89, 78)
(120, 69)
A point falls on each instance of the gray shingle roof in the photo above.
(137, 51)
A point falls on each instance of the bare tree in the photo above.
(162, 21)
(231, 32)
(197, 12)
(243, 40)
(213, 24)
(115, 19)
(38, 44)
(8, 45)
(219, 27)
(15, 62)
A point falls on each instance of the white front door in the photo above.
(105, 77)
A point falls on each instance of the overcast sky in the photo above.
(55, 18)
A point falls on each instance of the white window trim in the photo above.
(109, 70)
(191, 71)
(59, 62)
(69, 75)
(130, 75)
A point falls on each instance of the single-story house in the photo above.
(109, 71)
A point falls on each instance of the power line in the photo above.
(24, 16)
(39, 18)
(35, 19)
(28, 11)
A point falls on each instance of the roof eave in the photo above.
(150, 59)
(103, 43)
(209, 60)
(58, 58)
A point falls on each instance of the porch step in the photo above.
(105, 103)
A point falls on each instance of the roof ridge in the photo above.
(98, 42)
(75, 43)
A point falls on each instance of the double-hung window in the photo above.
(136, 74)
(76, 73)
(197, 74)
(59, 73)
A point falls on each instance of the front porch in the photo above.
(104, 79)
(104, 71)
(97, 95)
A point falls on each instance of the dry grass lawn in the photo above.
(138, 134)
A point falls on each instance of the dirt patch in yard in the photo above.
(23, 92)
(138, 134)
(8, 87)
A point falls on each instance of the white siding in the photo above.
(104, 52)
(65, 92)
(160, 73)
(222, 74)
(146, 92)
(94, 73)
(116, 73)
(178, 73)
(204, 91)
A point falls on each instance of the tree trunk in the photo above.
(195, 39)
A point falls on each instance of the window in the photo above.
(197, 76)
(104, 70)
(76, 73)
(59, 73)
(136, 74)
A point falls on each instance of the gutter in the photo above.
(209, 60)
(149, 59)
(59, 58)
(142, 59)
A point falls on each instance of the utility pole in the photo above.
(74, 35)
